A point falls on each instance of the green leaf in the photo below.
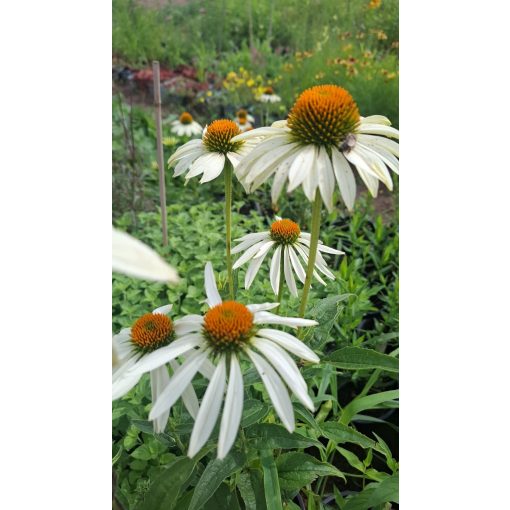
(223, 499)
(355, 358)
(375, 494)
(299, 469)
(340, 433)
(215, 472)
(253, 412)
(369, 402)
(352, 459)
(251, 487)
(165, 489)
(270, 435)
(271, 482)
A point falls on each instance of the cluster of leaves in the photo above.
(337, 457)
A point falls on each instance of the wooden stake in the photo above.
(159, 138)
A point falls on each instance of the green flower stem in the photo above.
(314, 242)
(228, 223)
(280, 283)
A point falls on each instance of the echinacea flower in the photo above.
(323, 136)
(186, 126)
(269, 96)
(150, 335)
(243, 124)
(207, 156)
(291, 245)
(134, 258)
(228, 331)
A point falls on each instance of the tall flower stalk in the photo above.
(314, 242)
(228, 171)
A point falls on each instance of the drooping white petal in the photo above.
(301, 165)
(311, 182)
(233, 409)
(201, 164)
(376, 119)
(185, 151)
(275, 388)
(123, 382)
(213, 296)
(326, 178)
(293, 322)
(262, 306)
(209, 410)
(264, 249)
(289, 342)
(206, 368)
(289, 277)
(185, 162)
(374, 162)
(164, 354)
(189, 397)
(134, 258)
(159, 379)
(378, 129)
(122, 343)
(298, 268)
(253, 269)
(274, 271)
(163, 310)
(286, 368)
(371, 182)
(385, 156)
(214, 168)
(255, 133)
(379, 141)
(249, 242)
(269, 160)
(280, 177)
(178, 383)
(248, 254)
(256, 236)
(188, 324)
(344, 178)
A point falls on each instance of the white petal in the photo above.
(293, 322)
(371, 182)
(122, 344)
(249, 242)
(301, 166)
(276, 390)
(285, 159)
(286, 368)
(206, 368)
(262, 306)
(257, 236)
(214, 168)
(312, 180)
(213, 296)
(262, 131)
(248, 254)
(268, 160)
(378, 129)
(379, 141)
(326, 178)
(376, 119)
(253, 269)
(289, 277)
(233, 409)
(185, 150)
(264, 249)
(163, 310)
(122, 384)
(209, 410)
(164, 354)
(289, 342)
(134, 258)
(376, 165)
(159, 380)
(185, 162)
(189, 397)
(344, 178)
(279, 179)
(178, 383)
(202, 163)
(274, 271)
(188, 325)
(298, 268)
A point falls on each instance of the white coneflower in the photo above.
(208, 155)
(151, 334)
(228, 331)
(268, 96)
(186, 126)
(323, 135)
(244, 120)
(134, 258)
(291, 246)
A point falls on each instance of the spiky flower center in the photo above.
(185, 118)
(228, 327)
(284, 232)
(218, 136)
(323, 115)
(269, 91)
(152, 331)
(242, 114)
